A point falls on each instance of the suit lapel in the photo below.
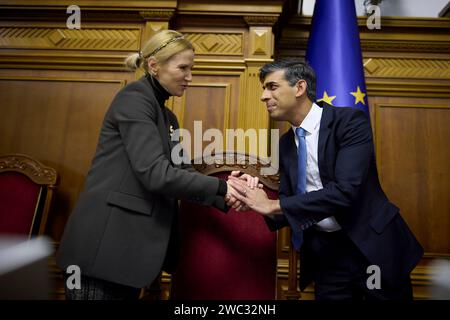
(163, 127)
(324, 136)
(161, 121)
(291, 154)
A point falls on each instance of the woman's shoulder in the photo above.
(140, 86)
(137, 96)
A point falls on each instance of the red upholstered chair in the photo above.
(26, 188)
(226, 256)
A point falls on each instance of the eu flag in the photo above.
(334, 52)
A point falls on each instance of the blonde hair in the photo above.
(161, 46)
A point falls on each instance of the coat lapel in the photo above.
(164, 131)
(161, 121)
(291, 154)
(324, 136)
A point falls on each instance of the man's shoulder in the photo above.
(342, 111)
(343, 115)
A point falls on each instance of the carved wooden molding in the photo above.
(227, 67)
(90, 4)
(297, 42)
(216, 43)
(405, 46)
(26, 165)
(67, 61)
(231, 7)
(237, 161)
(408, 68)
(396, 35)
(66, 39)
(401, 88)
(157, 15)
(261, 42)
(252, 112)
(261, 20)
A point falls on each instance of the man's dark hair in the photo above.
(294, 70)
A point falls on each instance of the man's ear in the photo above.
(301, 88)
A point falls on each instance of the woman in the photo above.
(119, 231)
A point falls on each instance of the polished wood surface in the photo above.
(56, 120)
(414, 165)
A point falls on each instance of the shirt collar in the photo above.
(312, 119)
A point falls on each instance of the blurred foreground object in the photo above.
(24, 270)
(440, 289)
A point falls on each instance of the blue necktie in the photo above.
(297, 235)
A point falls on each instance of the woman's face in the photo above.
(175, 74)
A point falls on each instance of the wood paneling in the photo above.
(37, 37)
(414, 166)
(56, 120)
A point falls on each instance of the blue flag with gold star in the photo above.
(334, 52)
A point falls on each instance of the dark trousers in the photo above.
(339, 270)
(97, 289)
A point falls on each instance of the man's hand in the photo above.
(255, 199)
(251, 182)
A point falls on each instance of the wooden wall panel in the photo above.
(206, 102)
(414, 165)
(213, 100)
(57, 121)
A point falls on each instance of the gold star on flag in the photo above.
(359, 96)
(326, 98)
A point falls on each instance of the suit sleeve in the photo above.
(136, 114)
(278, 221)
(353, 158)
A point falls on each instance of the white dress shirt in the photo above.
(311, 124)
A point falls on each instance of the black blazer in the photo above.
(120, 228)
(351, 192)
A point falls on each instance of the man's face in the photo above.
(280, 98)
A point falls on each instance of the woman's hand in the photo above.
(252, 182)
(255, 199)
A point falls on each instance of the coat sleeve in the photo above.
(136, 114)
(353, 158)
(216, 201)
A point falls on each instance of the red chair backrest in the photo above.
(26, 188)
(225, 256)
(19, 199)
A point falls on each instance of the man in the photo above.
(330, 194)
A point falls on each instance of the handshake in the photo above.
(244, 193)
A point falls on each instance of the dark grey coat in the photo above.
(120, 228)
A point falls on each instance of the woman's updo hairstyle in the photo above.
(161, 46)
